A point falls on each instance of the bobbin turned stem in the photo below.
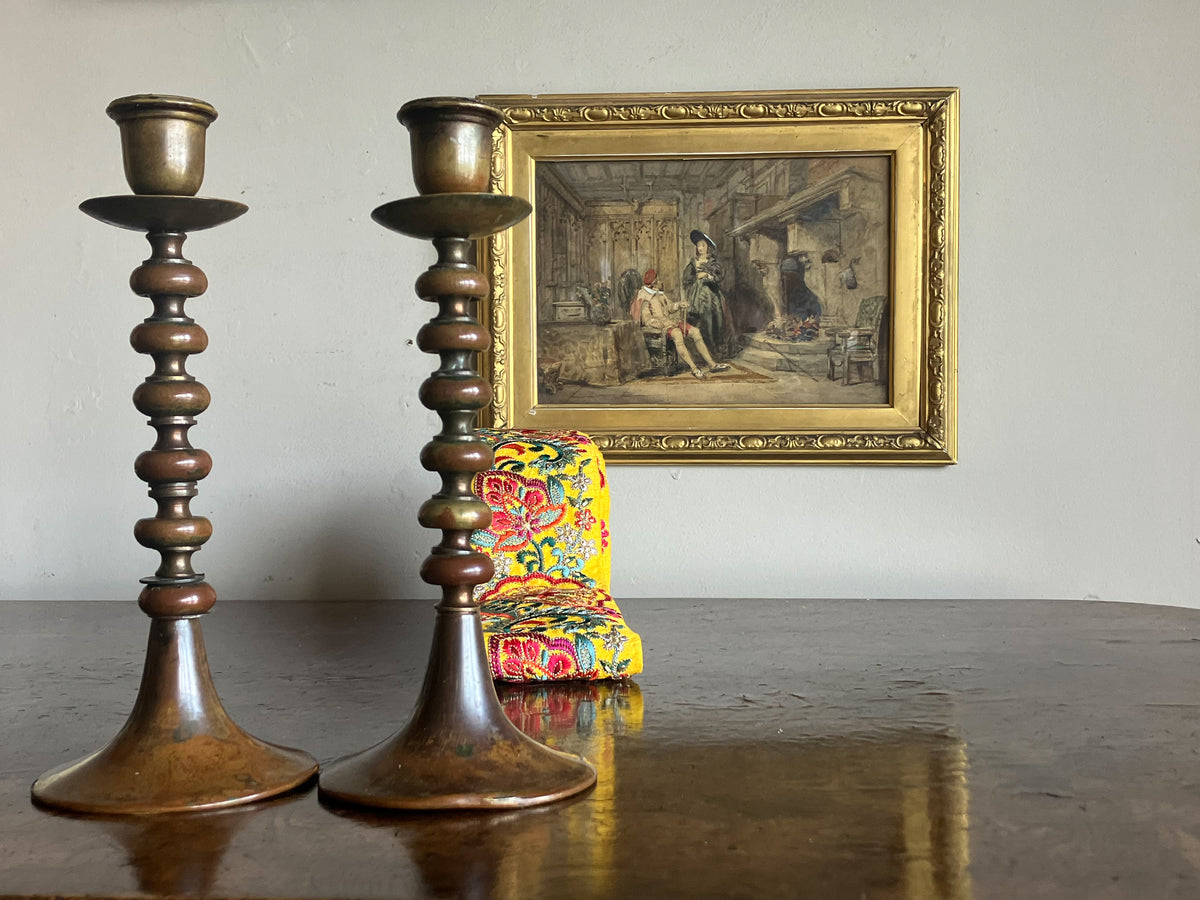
(179, 749)
(459, 750)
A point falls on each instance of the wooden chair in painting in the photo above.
(663, 355)
(547, 612)
(861, 345)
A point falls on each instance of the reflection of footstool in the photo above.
(549, 373)
(547, 613)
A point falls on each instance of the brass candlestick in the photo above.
(459, 750)
(179, 749)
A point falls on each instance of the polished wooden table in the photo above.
(773, 748)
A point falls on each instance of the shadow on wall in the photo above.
(321, 571)
(340, 555)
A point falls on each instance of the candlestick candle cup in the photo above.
(162, 142)
(451, 140)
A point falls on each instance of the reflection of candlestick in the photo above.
(182, 853)
(179, 749)
(471, 855)
(459, 750)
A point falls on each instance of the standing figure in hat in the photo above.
(706, 302)
(653, 310)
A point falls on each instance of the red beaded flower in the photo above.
(521, 508)
(534, 659)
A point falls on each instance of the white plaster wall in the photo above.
(1080, 214)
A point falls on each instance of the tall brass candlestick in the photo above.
(459, 750)
(179, 749)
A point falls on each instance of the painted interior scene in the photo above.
(734, 281)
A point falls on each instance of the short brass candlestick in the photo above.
(459, 750)
(179, 749)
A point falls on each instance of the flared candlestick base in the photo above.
(459, 751)
(179, 750)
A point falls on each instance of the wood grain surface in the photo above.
(773, 748)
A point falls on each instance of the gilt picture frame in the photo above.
(747, 278)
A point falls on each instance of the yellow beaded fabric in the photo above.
(547, 613)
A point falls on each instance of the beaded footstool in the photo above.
(547, 613)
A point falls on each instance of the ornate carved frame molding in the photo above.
(918, 127)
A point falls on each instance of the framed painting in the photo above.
(730, 278)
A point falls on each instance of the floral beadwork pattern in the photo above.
(553, 630)
(547, 614)
(549, 497)
(521, 508)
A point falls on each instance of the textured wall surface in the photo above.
(1080, 209)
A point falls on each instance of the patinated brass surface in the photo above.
(444, 135)
(773, 748)
(163, 213)
(458, 751)
(179, 749)
(162, 141)
(451, 215)
(916, 128)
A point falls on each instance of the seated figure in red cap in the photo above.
(652, 309)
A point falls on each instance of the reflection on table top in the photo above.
(915, 749)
